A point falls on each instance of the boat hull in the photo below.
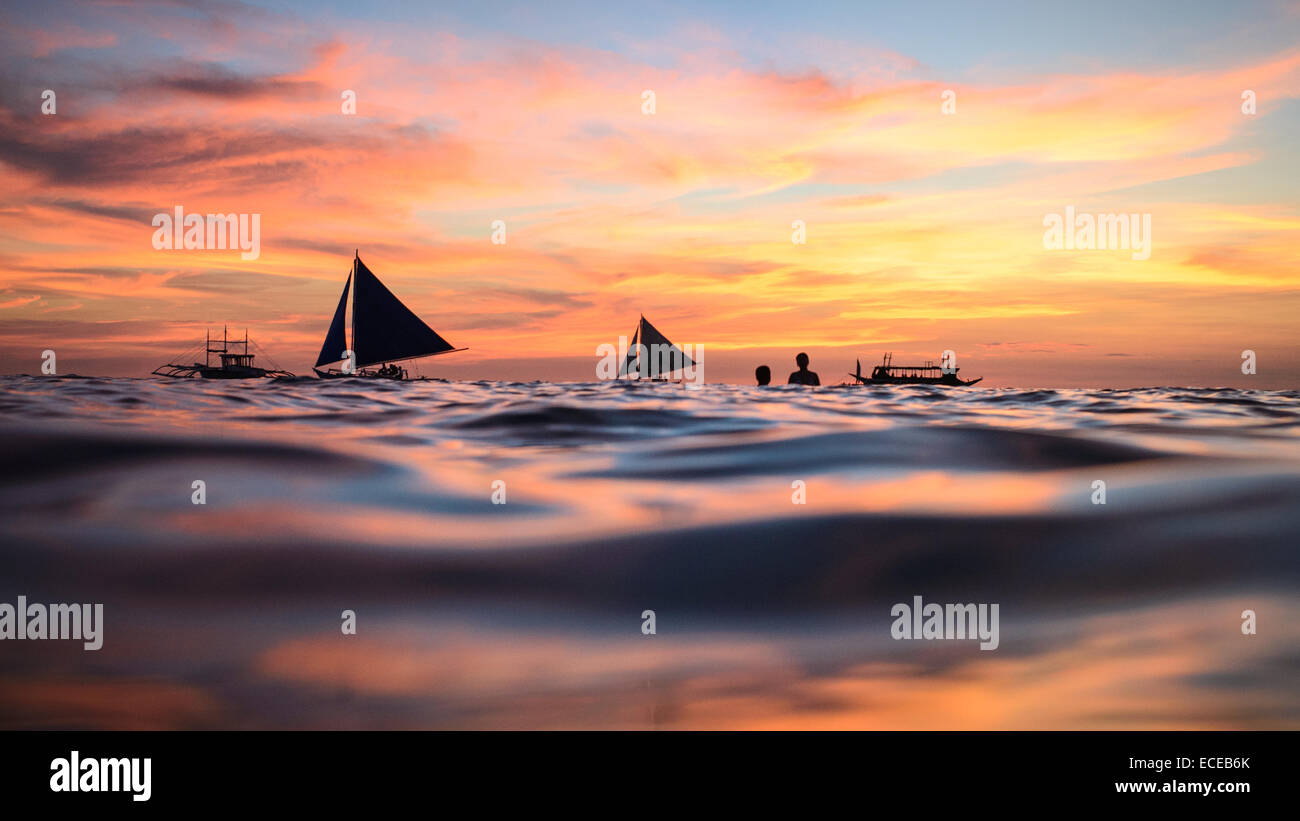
(362, 374)
(234, 373)
(947, 380)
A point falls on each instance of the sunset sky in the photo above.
(924, 229)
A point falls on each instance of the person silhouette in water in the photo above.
(803, 376)
(763, 374)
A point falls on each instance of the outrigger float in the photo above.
(887, 373)
(233, 364)
(384, 332)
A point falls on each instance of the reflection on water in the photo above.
(620, 498)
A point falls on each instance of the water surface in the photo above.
(624, 497)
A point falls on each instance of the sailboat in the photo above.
(887, 373)
(651, 355)
(384, 332)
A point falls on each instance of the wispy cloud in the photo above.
(919, 225)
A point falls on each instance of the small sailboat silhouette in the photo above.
(384, 332)
(651, 355)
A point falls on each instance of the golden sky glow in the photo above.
(924, 229)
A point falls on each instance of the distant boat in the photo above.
(233, 364)
(661, 357)
(384, 331)
(887, 373)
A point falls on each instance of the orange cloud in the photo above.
(925, 225)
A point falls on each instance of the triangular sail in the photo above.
(662, 356)
(631, 351)
(336, 340)
(385, 330)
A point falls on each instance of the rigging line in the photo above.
(264, 355)
(178, 359)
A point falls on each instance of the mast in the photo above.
(391, 331)
(356, 257)
(636, 341)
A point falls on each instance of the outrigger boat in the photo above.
(384, 332)
(234, 365)
(887, 373)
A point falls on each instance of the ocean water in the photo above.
(621, 498)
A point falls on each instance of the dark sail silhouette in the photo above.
(336, 341)
(662, 357)
(383, 330)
